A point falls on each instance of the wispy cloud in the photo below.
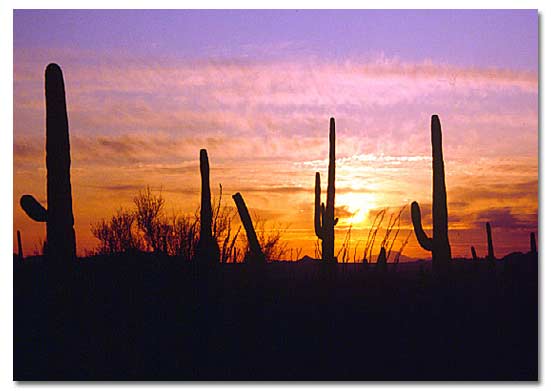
(265, 126)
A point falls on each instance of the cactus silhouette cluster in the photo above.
(439, 244)
(58, 216)
(60, 234)
(324, 214)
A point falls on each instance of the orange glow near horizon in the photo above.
(264, 122)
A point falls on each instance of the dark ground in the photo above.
(147, 318)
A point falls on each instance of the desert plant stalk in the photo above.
(256, 255)
(60, 234)
(473, 254)
(324, 214)
(439, 244)
(377, 221)
(404, 244)
(491, 256)
(19, 246)
(207, 247)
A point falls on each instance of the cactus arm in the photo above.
(254, 245)
(33, 208)
(317, 208)
(422, 238)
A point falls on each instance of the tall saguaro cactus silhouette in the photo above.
(439, 244)
(324, 214)
(60, 234)
(207, 247)
(256, 256)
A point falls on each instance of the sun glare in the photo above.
(359, 204)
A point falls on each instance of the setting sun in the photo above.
(359, 205)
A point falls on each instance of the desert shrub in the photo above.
(224, 229)
(273, 248)
(117, 234)
(149, 216)
(147, 227)
(182, 236)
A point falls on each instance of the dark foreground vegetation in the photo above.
(147, 317)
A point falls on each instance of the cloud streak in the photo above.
(265, 125)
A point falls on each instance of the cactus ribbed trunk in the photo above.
(208, 251)
(256, 255)
(491, 255)
(60, 232)
(439, 244)
(533, 246)
(324, 214)
(19, 245)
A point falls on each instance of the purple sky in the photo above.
(467, 38)
(147, 89)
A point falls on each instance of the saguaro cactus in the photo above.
(60, 235)
(255, 256)
(207, 247)
(324, 214)
(19, 246)
(439, 244)
(533, 246)
(491, 256)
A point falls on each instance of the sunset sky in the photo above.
(147, 89)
